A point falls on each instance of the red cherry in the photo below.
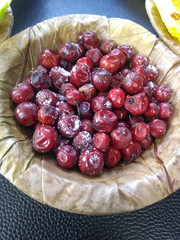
(65, 108)
(106, 46)
(152, 111)
(146, 142)
(85, 61)
(121, 113)
(117, 80)
(157, 128)
(112, 157)
(88, 91)
(104, 121)
(101, 79)
(58, 76)
(91, 162)
(87, 125)
(49, 59)
(137, 104)
(68, 52)
(162, 93)
(89, 40)
(139, 60)
(140, 131)
(165, 110)
(40, 80)
(73, 96)
(132, 83)
(117, 97)
(46, 97)
(110, 62)
(101, 103)
(101, 141)
(127, 50)
(121, 137)
(45, 138)
(120, 54)
(47, 115)
(67, 156)
(95, 55)
(80, 75)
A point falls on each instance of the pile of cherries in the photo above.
(92, 104)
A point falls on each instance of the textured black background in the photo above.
(22, 218)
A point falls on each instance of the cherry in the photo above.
(128, 50)
(121, 137)
(69, 126)
(135, 119)
(80, 75)
(165, 110)
(85, 109)
(123, 124)
(65, 87)
(68, 52)
(88, 91)
(85, 61)
(140, 131)
(67, 156)
(101, 79)
(151, 73)
(110, 62)
(80, 49)
(39, 68)
(106, 46)
(66, 65)
(61, 142)
(40, 80)
(47, 115)
(95, 55)
(140, 70)
(146, 142)
(132, 83)
(139, 60)
(101, 141)
(23, 92)
(87, 125)
(83, 140)
(58, 76)
(117, 97)
(49, 59)
(89, 40)
(162, 93)
(101, 103)
(131, 152)
(120, 54)
(26, 113)
(125, 71)
(137, 104)
(73, 96)
(117, 80)
(45, 138)
(46, 97)
(121, 113)
(152, 111)
(149, 89)
(91, 162)
(104, 121)
(65, 108)
(112, 157)
(157, 128)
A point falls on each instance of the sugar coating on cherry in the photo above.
(93, 103)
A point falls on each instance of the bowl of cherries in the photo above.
(96, 115)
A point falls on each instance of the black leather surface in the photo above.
(22, 218)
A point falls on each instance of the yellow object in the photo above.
(169, 11)
(3, 6)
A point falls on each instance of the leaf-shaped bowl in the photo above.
(6, 25)
(160, 27)
(150, 178)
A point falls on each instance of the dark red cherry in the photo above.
(151, 73)
(69, 126)
(80, 75)
(91, 162)
(101, 79)
(58, 76)
(23, 92)
(26, 113)
(117, 97)
(101, 103)
(106, 46)
(120, 54)
(87, 125)
(68, 52)
(162, 93)
(110, 62)
(139, 60)
(131, 152)
(127, 50)
(73, 97)
(132, 83)
(45, 138)
(112, 157)
(85, 61)
(157, 128)
(117, 80)
(64, 108)
(89, 40)
(140, 131)
(85, 110)
(83, 141)
(165, 110)
(88, 91)
(121, 113)
(95, 55)
(152, 111)
(40, 80)
(146, 142)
